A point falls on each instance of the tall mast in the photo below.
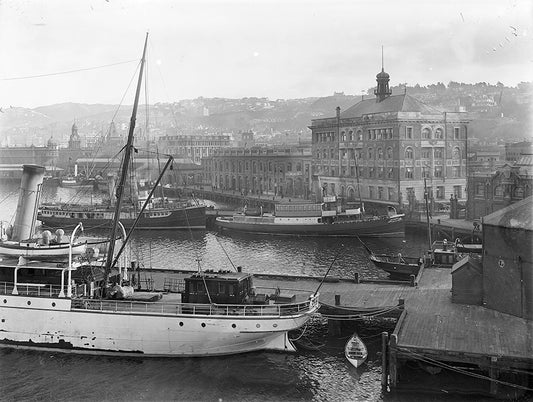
(124, 171)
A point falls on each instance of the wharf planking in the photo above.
(432, 324)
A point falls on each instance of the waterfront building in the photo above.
(12, 159)
(194, 147)
(489, 191)
(277, 171)
(514, 150)
(380, 150)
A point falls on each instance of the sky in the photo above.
(254, 48)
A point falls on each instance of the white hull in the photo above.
(43, 322)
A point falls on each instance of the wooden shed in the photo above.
(467, 281)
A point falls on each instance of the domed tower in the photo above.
(382, 78)
(74, 140)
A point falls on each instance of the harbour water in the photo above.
(323, 374)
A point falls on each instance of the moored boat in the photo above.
(97, 311)
(355, 351)
(171, 216)
(325, 219)
(397, 265)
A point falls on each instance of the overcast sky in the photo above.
(239, 48)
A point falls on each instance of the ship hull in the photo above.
(393, 227)
(181, 218)
(52, 324)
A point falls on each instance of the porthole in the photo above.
(203, 324)
(258, 325)
(275, 325)
(53, 304)
(3, 320)
(181, 324)
(29, 303)
(233, 326)
(5, 300)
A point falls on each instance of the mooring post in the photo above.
(493, 374)
(337, 300)
(384, 367)
(412, 282)
(393, 370)
(401, 304)
(356, 277)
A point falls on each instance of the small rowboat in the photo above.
(355, 351)
(396, 264)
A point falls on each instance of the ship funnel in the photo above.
(30, 190)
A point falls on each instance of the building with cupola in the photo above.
(380, 150)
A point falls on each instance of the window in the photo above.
(380, 193)
(332, 153)
(498, 192)
(409, 173)
(440, 193)
(426, 172)
(456, 133)
(389, 131)
(343, 136)
(371, 172)
(456, 171)
(426, 153)
(456, 153)
(439, 152)
(457, 191)
(391, 193)
(426, 134)
(350, 135)
(439, 134)
(519, 192)
(409, 133)
(359, 135)
(390, 173)
(438, 171)
(370, 153)
(370, 191)
(389, 153)
(381, 172)
(408, 153)
(289, 167)
(379, 134)
(380, 153)
(480, 190)
(369, 134)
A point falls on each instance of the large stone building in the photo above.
(275, 171)
(514, 150)
(12, 159)
(194, 147)
(489, 191)
(381, 149)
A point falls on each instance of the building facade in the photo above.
(490, 191)
(513, 151)
(257, 170)
(380, 151)
(194, 147)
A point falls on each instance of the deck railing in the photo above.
(277, 310)
(30, 289)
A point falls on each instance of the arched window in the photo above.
(439, 134)
(350, 135)
(408, 153)
(343, 136)
(498, 192)
(370, 153)
(426, 133)
(389, 153)
(359, 135)
(380, 153)
(456, 153)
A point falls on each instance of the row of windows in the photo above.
(241, 166)
(387, 134)
(386, 173)
(482, 190)
(387, 154)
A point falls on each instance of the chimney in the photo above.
(30, 191)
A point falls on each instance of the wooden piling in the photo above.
(356, 277)
(393, 369)
(384, 367)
